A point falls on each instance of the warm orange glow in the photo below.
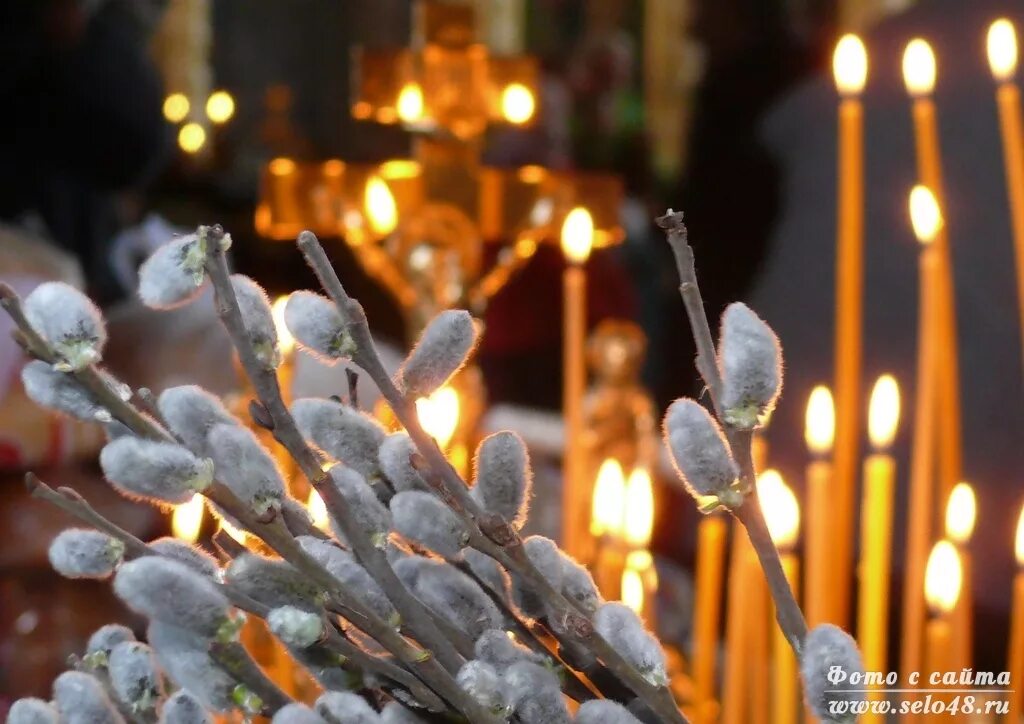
(942, 578)
(639, 509)
(925, 214)
(517, 103)
(439, 414)
(317, 510)
(285, 340)
(191, 138)
(606, 513)
(919, 68)
(850, 65)
(1019, 547)
(220, 107)
(961, 513)
(281, 166)
(638, 577)
(1002, 49)
(884, 412)
(176, 107)
(381, 210)
(187, 519)
(410, 103)
(577, 235)
(334, 168)
(236, 533)
(632, 589)
(781, 511)
(820, 421)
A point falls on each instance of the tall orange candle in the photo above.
(707, 613)
(919, 76)
(744, 574)
(1015, 657)
(943, 580)
(961, 513)
(819, 432)
(1002, 59)
(577, 241)
(927, 221)
(876, 531)
(850, 66)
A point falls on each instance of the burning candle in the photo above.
(606, 525)
(876, 530)
(706, 613)
(919, 77)
(850, 67)
(819, 432)
(1015, 657)
(941, 589)
(640, 585)
(379, 207)
(317, 510)
(1002, 59)
(577, 241)
(638, 520)
(782, 514)
(187, 519)
(961, 513)
(746, 590)
(926, 218)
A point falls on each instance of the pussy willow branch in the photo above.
(787, 610)
(500, 541)
(436, 672)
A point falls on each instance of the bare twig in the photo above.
(235, 660)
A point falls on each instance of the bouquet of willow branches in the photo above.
(426, 603)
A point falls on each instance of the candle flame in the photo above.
(850, 65)
(943, 577)
(410, 103)
(919, 68)
(1002, 49)
(961, 513)
(317, 510)
(925, 214)
(639, 507)
(220, 107)
(191, 138)
(187, 519)
(517, 103)
(439, 414)
(381, 210)
(1019, 547)
(577, 235)
(633, 590)
(285, 340)
(609, 496)
(281, 166)
(176, 107)
(781, 510)
(638, 576)
(884, 412)
(820, 421)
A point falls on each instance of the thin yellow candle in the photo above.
(707, 613)
(1015, 656)
(782, 514)
(919, 73)
(850, 66)
(1002, 59)
(876, 531)
(577, 241)
(943, 580)
(606, 523)
(961, 514)
(744, 576)
(819, 432)
(926, 218)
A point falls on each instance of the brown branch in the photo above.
(235, 660)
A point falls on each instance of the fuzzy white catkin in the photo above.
(81, 699)
(190, 555)
(317, 326)
(183, 708)
(534, 693)
(604, 711)
(32, 711)
(426, 520)
(450, 594)
(157, 471)
(134, 676)
(750, 357)
(190, 413)
(547, 559)
(245, 466)
(342, 564)
(624, 630)
(578, 585)
(257, 318)
(341, 431)
(69, 321)
(170, 591)
(185, 659)
(343, 707)
(497, 649)
(103, 641)
(481, 681)
(504, 478)
(700, 453)
(296, 713)
(828, 646)
(61, 392)
(85, 553)
(395, 713)
(173, 275)
(395, 458)
(442, 349)
(296, 627)
(363, 502)
(272, 582)
(489, 571)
